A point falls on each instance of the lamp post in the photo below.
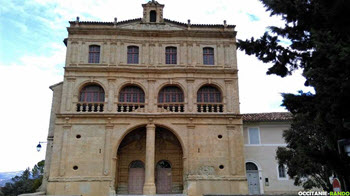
(38, 147)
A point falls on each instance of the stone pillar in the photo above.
(149, 187)
(111, 94)
(151, 97)
(230, 146)
(189, 53)
(81, 52)
(190, 100)
(221, 55)
(64, 146)
(113, 51)
(69, 91)
(123, 54)
(118, 60)
(107, 149)
(74, 52)
(194, 54)
(229, 95)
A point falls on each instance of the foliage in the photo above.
(319, 35)
(28, 182)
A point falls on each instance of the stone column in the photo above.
(190, 100)
(64, 145)
(107, 148)
(221, 55)
(189, 53)
(149, 187)
(118, 60)
(229, 95)
(113, 51)
(81, 52)
(231, 145)
(69, 91)
(151, 97)
(111, 94)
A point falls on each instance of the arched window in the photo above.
(163, 164)
(132, 94)
(133, 55)
(208, 56)
(170, 55)
(170, 94)
(94, 54)
(92, 93)
(91, 99)
(208, 94)
(251, 166)
(153, 16)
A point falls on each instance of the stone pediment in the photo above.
(166, 26)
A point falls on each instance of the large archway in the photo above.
(168, 162)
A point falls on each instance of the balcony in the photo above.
(210, 107)
(171, 107)
(130, 107)
(90, 107)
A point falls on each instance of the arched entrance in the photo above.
(168, 163)
(253, 178)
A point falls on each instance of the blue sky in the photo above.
(32, 57)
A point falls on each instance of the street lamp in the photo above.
(38, 147)
(344, 146)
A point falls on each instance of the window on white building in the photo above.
(282, 172)
(254, 135)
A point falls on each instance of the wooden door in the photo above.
(164, 177)
(136, 180)
(164, 180)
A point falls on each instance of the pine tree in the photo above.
(319, 35)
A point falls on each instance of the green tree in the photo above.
(28, 182)
(319, 35)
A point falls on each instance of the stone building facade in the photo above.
(147, 106)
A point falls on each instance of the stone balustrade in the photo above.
(90, 107)
(130, 107)
(171, 107)
(210, 107)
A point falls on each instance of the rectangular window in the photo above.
(170, 55)
(282, 172)
(133, 55)
(208, 56)
(94, 54)
(254, 135)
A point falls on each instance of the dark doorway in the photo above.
(164, 177)
(153, 16)
(136, 177)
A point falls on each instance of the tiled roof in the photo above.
(264, 117)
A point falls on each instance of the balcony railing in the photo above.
(210, 107)
(171, 107)
(90, 107)
(130, 107)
